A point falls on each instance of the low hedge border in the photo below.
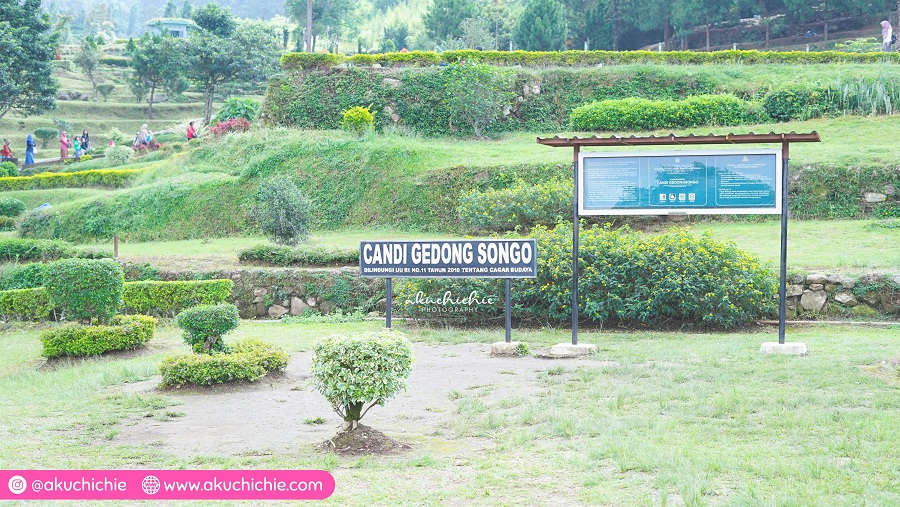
(25, 304)
(126, 332)
(298, 257)
(248, 361)
(43, 250)
(102, 178)
(167, 299)
(154, 298)
(303, 61)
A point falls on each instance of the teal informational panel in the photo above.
(697, 182)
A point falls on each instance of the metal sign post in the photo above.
(731, 192)
(494, 258)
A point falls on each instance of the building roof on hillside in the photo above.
(171, 22)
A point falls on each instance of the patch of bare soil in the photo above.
(362, 441)
(283, 414)
(888, 370)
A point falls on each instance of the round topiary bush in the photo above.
(10, 207)
(358, 120)
(355, 370)
(118, 155)
(204, 326)
(45, 134)
(86, 289)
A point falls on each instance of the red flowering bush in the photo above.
(228, 126)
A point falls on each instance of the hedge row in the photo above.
(247, 361)
(625, 277)
(644, 114)
(25, 304)
(154, 298)
(303, 256)
(125, 332)
(169, 298)
(115, 61)
(295, 61)
(103, 178)
(43, 250)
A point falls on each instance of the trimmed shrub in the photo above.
(8, 169)
(41, 250)
(169, 298)
(358, 121)
(118, 155)
(305, 61)
(644, 114)
(125, 332)
(249, 360)
(25, 304)
(797, 103)
(522, 205)
(204, 326)
(282, 211)
(115, 61)
(86, 289)
(10, 207)
(105, 90)
(45, 134)
(303, 256)
(626, 277)
(7, 223)
(26, 276)
(351, 371)
(102, 178)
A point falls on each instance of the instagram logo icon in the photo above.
(17, 485)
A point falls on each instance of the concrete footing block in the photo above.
(793, 348)
(569, 350)
(504, 349)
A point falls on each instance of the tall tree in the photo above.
(541, 27)
(27, 46)
(187, 9)
(171, 10)
(248, 54)
(157, 62)
(444, 18)
(331, 16)
(215, 20)
(88, 60)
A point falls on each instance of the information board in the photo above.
(663, 183)
(448, 259)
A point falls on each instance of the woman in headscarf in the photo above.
(85, 141)
(63, 147)
(886, 33)
(29, 150)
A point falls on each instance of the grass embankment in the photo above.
(654, 418)
(394, 181)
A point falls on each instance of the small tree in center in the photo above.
(204, 326)
(357, 372)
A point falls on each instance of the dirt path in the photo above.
(268, 417)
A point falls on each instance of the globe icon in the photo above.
(150, 485)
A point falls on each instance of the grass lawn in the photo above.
(843, 245)
(652, 419)
(847, 246)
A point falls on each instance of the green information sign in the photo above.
(700, 182)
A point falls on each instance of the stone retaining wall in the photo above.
(817, 294)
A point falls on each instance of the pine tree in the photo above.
(541, 27)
